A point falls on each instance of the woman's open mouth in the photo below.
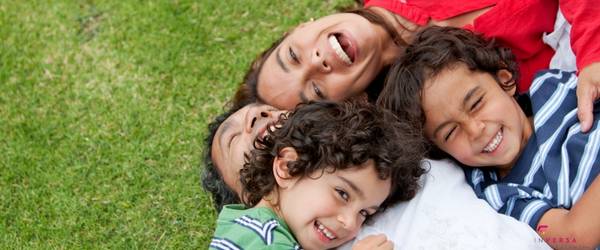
(343, 47)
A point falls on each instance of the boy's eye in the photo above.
(343, 194)
(293, 55)
(476, 103)
(449, 134)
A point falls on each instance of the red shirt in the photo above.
(516, 24)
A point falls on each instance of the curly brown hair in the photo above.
(434, 50)
(336, 136)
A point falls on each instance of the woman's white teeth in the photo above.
(494, 143)
(325, 231)
(335, 44)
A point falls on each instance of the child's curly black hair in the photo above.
(434, 50)
(337, 136)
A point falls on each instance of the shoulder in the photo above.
(553, 80)
(553, 95)
(254, 228)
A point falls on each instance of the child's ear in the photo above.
(505, 78)
(280, 166)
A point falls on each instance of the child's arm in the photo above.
(581, 223)
(376, 242)
(585, 33)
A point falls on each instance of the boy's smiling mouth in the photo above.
(494, 143)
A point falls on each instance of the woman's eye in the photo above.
(293, 55)
(449, 134)
(342, 194)
(318, 91)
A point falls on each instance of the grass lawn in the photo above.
(103, 111)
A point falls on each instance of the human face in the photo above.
(326, 210)
(470, 116)
(333, 58)
(236, 136)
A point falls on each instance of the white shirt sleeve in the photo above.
(446, 214)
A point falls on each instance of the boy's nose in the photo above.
(474, 128)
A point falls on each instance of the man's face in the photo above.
(235, 137)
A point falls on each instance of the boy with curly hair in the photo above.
(318, 175)
(525, 155)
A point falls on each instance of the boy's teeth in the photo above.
(494, 143)
(335, 44)
(326, 232)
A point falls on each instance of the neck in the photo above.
(268, 202)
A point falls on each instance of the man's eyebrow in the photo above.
(280, 62)
(360, 193)
(226, 125)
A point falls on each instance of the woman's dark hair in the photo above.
(331, 136)
(247, 92)
(434, 50)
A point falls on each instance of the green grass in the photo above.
(103, 111)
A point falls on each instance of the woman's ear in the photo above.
(280, 166)
(505, 78)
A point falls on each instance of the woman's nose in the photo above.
(319, 62)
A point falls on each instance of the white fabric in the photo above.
(446, 214)
(560, 41)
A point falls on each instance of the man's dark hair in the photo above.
(331, 136)
(211, 178)
(434, 50)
